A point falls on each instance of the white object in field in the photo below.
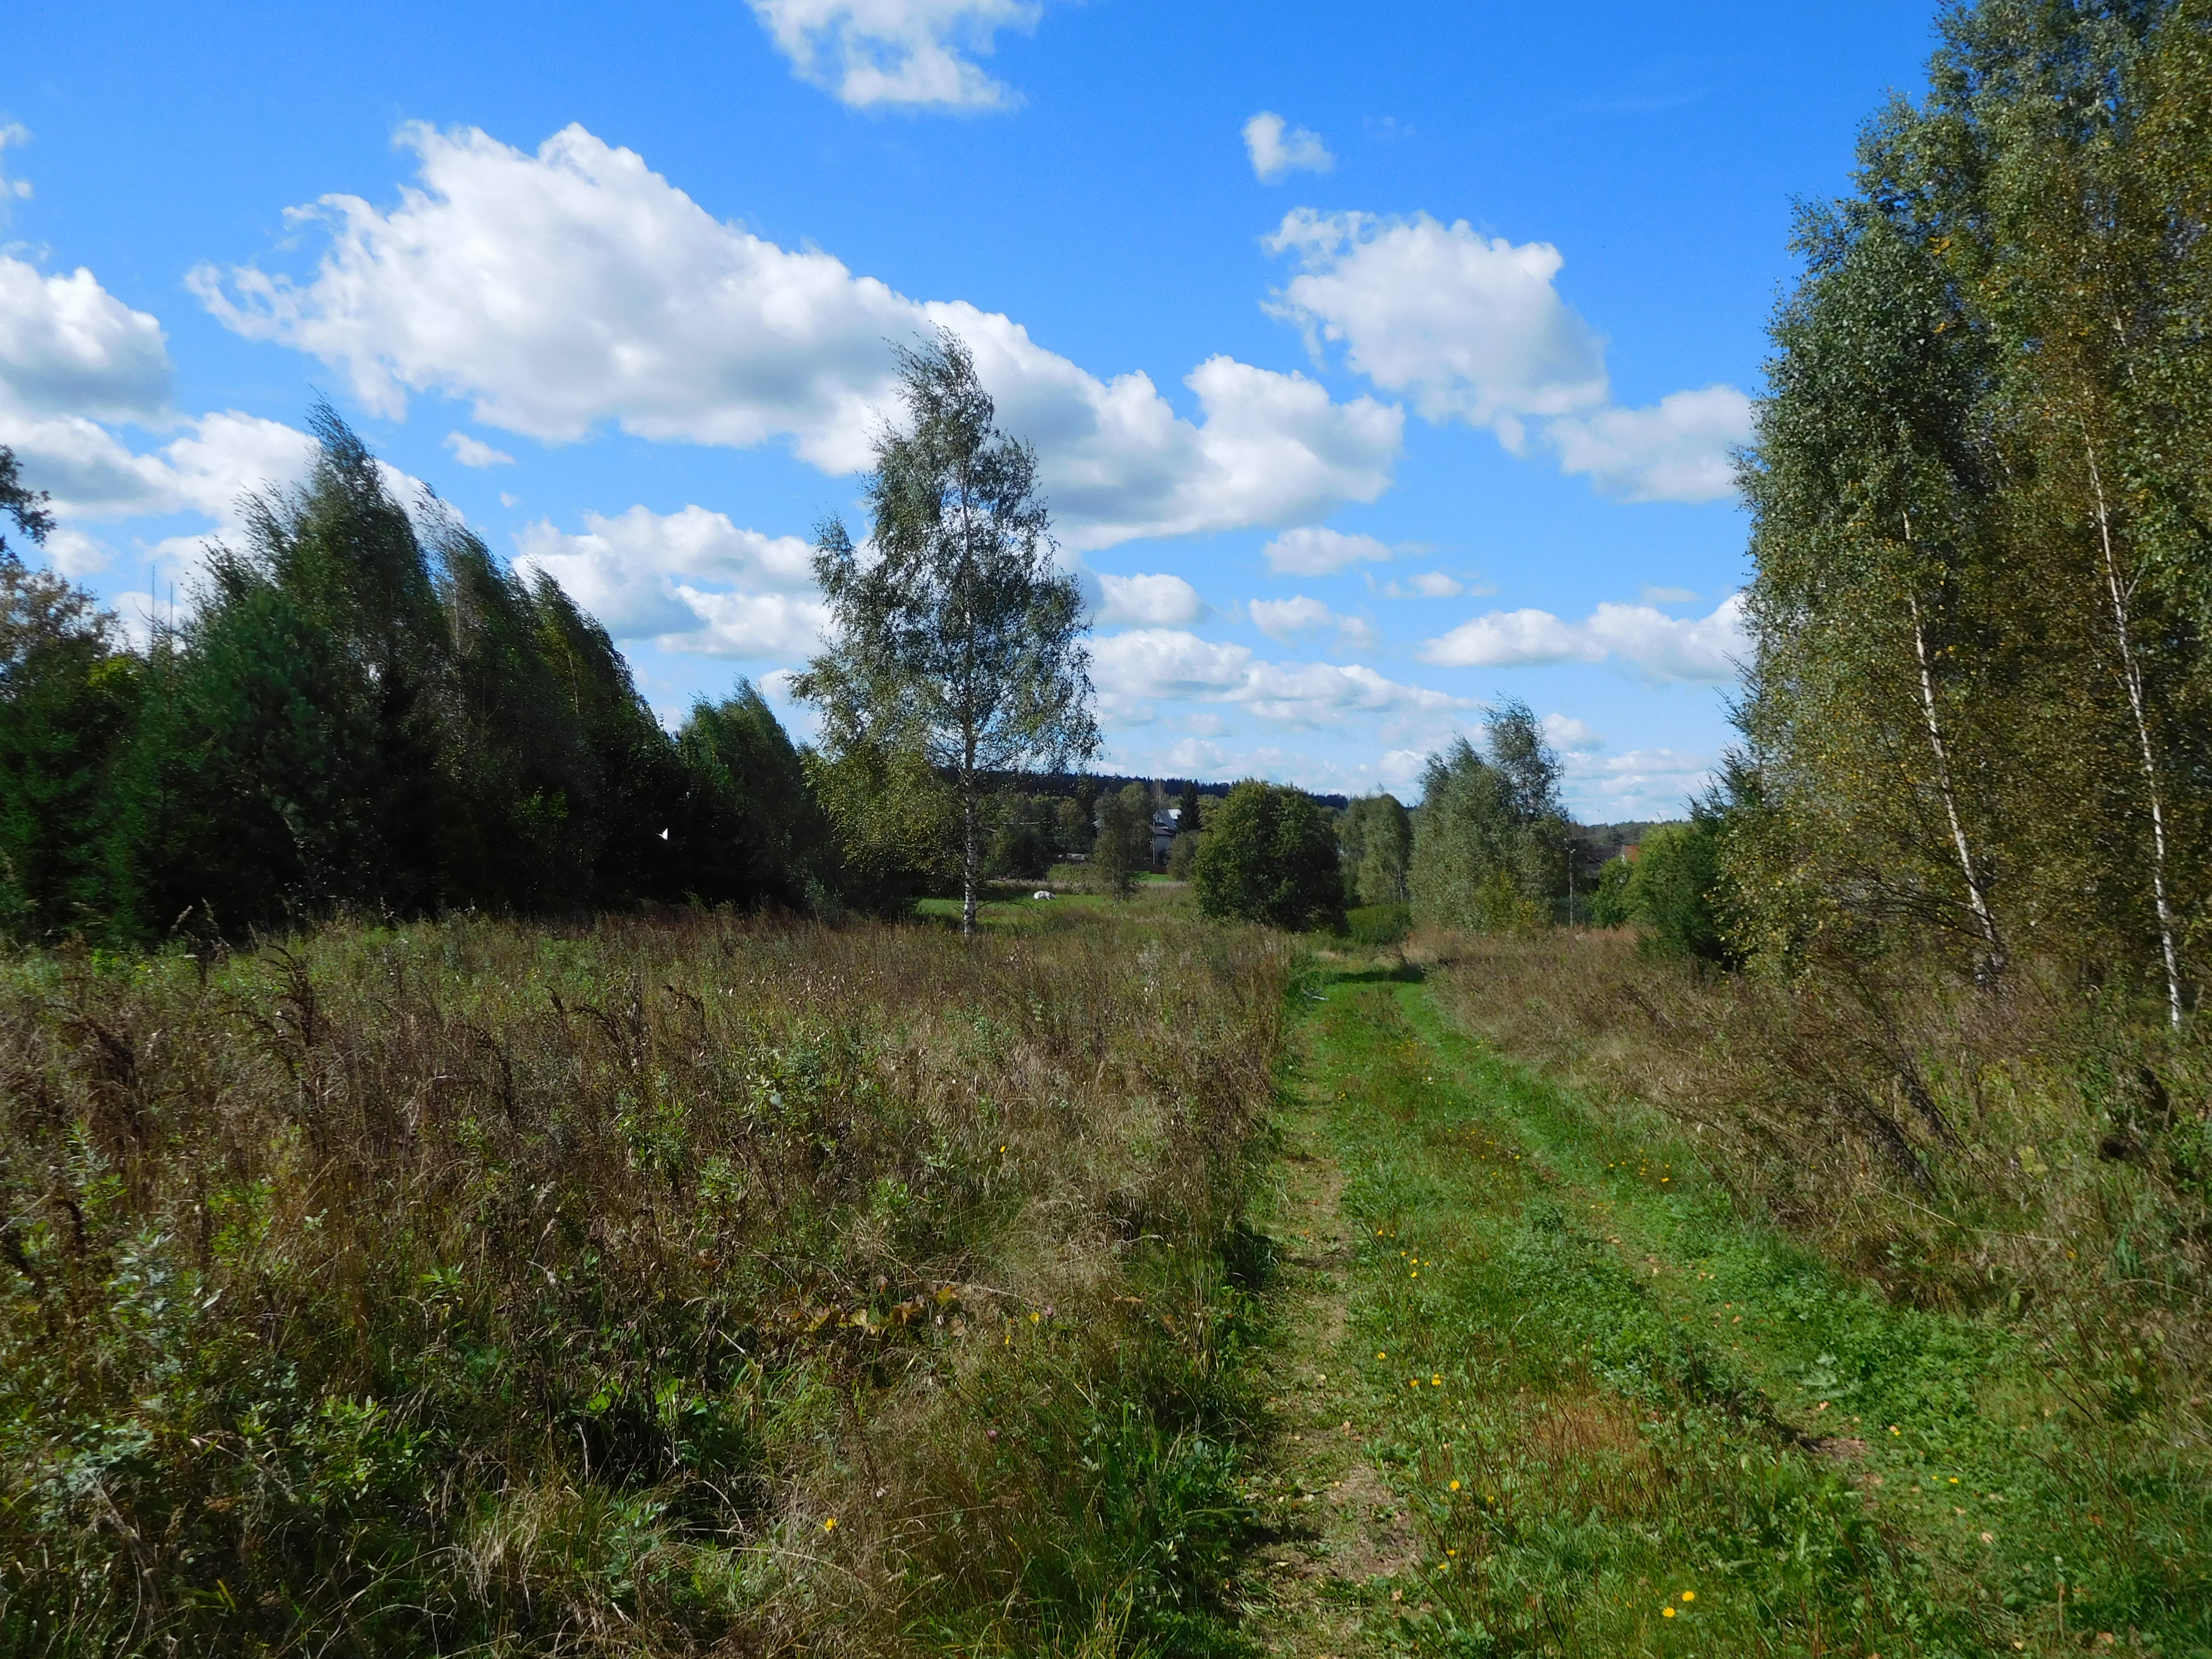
(1041, 892)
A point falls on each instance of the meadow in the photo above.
(665, 1285)
(1109, 1284)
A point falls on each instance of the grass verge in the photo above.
(1612, 1411)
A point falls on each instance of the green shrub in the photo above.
(1269, 855)
(1183, 855)
(1490, 839)
(1123, 850)
(1672, 893)
(1377, 837)
(1378, 924)
(1609, 906)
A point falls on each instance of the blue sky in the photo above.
(1380, 360)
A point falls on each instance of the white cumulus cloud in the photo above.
(74, 553)
(1165, 662)
(1279, 619)
(226, 456)
(915, 53)
(749, 625)
(1642, 783)
(475, 451)
(1510, 639)
(1278, 148)
(1573, 736)
(1311, 550)
(1659, 648)
(1428, 584)
(1469, 327)
(1161, 601)
(1676, 451)
(1143, 665)
(690, 580)
(75, 361)
(561, 291)
(69, 347)
(92, 474)
(1474, 328)
(1284, 619)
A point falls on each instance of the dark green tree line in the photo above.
(360, 714)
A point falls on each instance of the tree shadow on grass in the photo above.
(1397, 973)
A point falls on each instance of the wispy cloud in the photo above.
(914, 54)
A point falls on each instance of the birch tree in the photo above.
(955, 635)
(1868, 503)
(2082, 283)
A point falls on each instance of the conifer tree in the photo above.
(68, 695)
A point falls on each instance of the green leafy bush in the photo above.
(1269, 854)
(1672, 893)
(1377, 835)
(1123, 850)
(1183, 855)
(1610, 906)
(1490, 841)
(1378, 924)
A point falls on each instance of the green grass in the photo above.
(1643, 1396)
(1006, 905)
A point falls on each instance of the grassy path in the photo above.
(1536, 1391)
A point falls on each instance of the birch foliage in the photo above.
(955, 637)
(1979, 714)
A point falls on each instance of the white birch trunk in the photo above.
(2118, 592)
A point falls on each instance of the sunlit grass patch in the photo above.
(1639, 1394)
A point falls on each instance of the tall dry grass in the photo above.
(661, 1286)
(2040, 1157)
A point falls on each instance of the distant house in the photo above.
(1166, 825)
